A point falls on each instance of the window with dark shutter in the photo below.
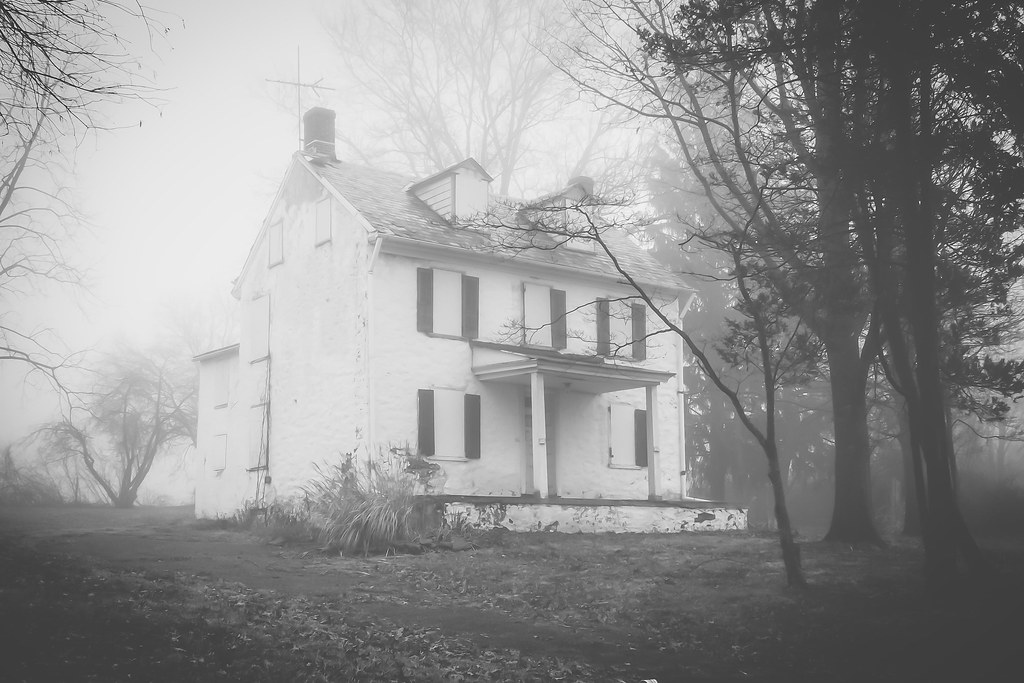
(424, 300)
(472, 426)
(639, 316)
(604, 346)
(470, 307)
(425, 432)
(558, 334)
(640, 437)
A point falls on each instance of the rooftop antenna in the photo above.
(299, 85)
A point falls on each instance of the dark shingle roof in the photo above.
(382, 198)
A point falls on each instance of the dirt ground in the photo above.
(628, 608)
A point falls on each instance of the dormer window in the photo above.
(456, 193)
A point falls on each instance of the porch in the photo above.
(562, 396)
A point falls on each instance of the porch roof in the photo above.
(587, 374)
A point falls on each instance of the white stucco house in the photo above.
(376, 313)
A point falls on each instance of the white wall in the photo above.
(317, 360)
(320, 334)
(411, 360)
(220, 490)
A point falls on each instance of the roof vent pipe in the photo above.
(318, 133)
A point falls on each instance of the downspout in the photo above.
(684, 465)
(371, 423)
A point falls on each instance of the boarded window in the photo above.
(218, 458)
(543, 316)
(627, 435)
(621, 329)
(536, 315)
(275, 243)
(258, 331)
(219, 377)
(323, 221)
(447, 303)
(448, 423)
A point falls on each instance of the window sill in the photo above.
(254, 361)
(437, 335)
(613, 466)
(447, 458)
(259, 468)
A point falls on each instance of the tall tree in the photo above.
(58, 60)
(441, 80)
(753, 96)
(936, 118)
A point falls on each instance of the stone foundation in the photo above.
(594, 516)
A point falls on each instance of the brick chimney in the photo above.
(318, 133)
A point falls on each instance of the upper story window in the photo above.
(543, 316)
(275, 243)
(621, 329)
(323, 221)
(257, 327)
(448, 424)
(447, 303)
(220, 379)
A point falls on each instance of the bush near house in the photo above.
(362, 507)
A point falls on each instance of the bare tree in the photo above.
(58, 60)
(441, 80)
(142, 406)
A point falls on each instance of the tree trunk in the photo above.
(852, 518)
(790, 549)
(911, 509)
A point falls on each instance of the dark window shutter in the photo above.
(558, 339)
(640, 437)
(470, 307)
(424, 300)
(425, 432)
(472, 426)
(604, 346)
(639, 315)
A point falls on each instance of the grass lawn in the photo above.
(521, 607)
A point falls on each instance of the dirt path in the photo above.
(167, 542)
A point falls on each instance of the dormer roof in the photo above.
(469, 163)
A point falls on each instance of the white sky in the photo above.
(176, 195)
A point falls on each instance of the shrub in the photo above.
(362, 506)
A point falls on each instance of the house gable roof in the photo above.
(387, 206)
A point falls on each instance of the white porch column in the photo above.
(538, 429)
(653, 449)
